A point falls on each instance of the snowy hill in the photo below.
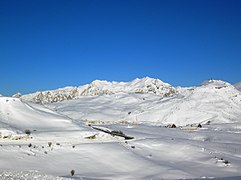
(17, 115)
(214, 101)
(238, 86)
(97, 87)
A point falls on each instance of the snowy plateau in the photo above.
(143, 129)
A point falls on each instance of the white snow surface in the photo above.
(18, 115)
(61, 139)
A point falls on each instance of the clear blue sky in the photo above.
(47, 44)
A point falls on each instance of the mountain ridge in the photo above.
(215, 101)
(99, 87)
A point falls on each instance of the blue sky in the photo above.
(51, 44)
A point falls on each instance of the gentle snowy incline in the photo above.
(140, 86)
(155, 153)
(18, 115)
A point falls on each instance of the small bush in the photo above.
(226, 162)
(173, 126)
(72, 172)
(27, 131)
(208, 123)
(49, 144)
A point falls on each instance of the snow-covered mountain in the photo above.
(146, 100)
(237, 86)
(97, 87)
(214, 101)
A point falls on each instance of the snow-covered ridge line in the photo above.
(143, 86)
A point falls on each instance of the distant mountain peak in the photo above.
(17, 95)
(216, 82)
(101, 87)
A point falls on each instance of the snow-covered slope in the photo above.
(214, 101)
(61, 145)
(238, 86)
(97, 87)
(18, 115)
